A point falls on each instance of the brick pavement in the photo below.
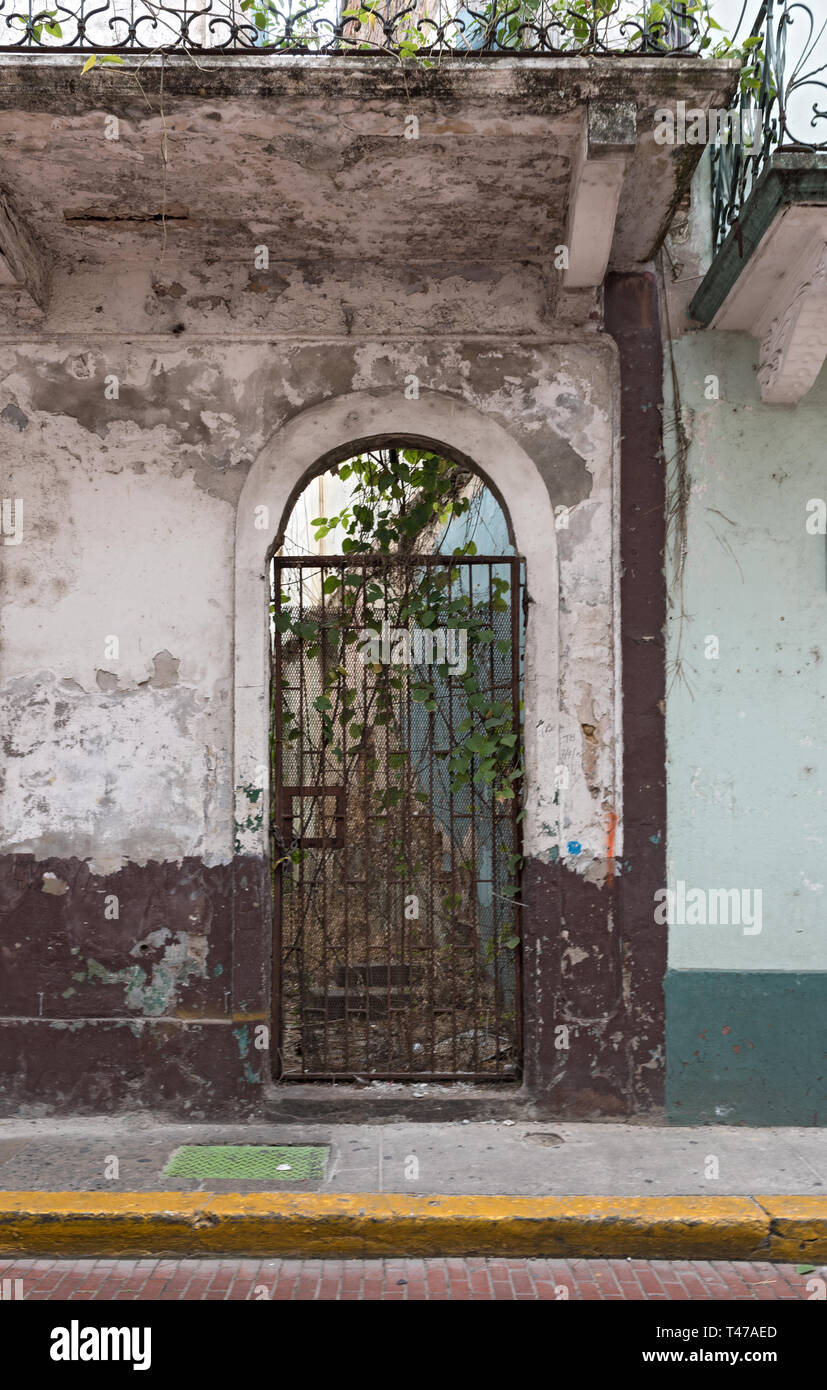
(395, 1280)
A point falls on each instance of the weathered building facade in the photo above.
(223, 272)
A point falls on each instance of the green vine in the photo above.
(399, 503)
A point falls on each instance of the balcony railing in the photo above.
(782, 103)
(390, 27)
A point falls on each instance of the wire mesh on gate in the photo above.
(397, 736)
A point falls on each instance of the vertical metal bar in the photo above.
(324, 852)
(407, 953)
(495, 849)
(300, 908)
(371, 822)
(452, 839)
(475, 913)
(517, 592)
(390, 818)
(343, 652)
(431, 934)
(276, 813)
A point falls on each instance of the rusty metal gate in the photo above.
(397, 758)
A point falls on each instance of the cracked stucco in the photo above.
(130, 525)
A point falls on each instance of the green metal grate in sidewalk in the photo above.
(249, 1162)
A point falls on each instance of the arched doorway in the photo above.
(397, 641)
(311, 440)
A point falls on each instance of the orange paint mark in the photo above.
(610, 845)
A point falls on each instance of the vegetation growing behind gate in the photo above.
(421, 757)
(399, 500)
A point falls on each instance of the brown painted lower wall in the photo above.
(158, 1005)
(595, 1027)
(75, 945)
(100, 1066)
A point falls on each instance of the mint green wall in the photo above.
(747, 757)
(746, 1047)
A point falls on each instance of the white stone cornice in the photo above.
(794, 346)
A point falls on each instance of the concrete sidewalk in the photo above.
(487, 1158)
(464, 1188)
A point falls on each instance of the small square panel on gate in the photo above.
(326, 816)
(249, 1162)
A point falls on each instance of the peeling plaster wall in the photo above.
(129, 510)
(118, 770)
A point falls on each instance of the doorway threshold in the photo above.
(386, 1102)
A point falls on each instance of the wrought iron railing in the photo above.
(391, 27)
(777, 106)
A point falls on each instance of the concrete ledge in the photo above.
(366, 1224)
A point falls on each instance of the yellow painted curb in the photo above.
(368, 1224)
(797, 1227)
